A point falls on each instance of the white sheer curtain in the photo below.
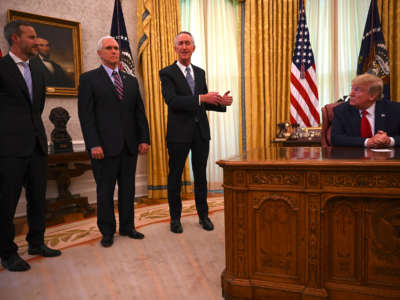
(349, 39)
(336, 29)
(193, 21)
(213, 24)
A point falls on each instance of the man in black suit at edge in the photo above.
(365, 120)
(185, 92)
(115, 130)
(23, 146)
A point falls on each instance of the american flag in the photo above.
(304, 105)
(118, 31)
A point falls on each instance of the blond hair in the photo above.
(373, 82)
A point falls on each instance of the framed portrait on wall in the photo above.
(60, 55)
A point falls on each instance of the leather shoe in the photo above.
(107, 241)
(206, 224)
(176, 226)
(133, 234)
(43, 250)
(15, 263)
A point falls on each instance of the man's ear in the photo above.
(14, 37)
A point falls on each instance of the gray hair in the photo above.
(183, 32)
(13, 27)
(100, 42)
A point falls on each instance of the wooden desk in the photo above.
(312, 223)
(63, 167)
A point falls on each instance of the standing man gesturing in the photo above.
(185, 92)
(23, 145)
(115, 130)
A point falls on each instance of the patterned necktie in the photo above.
(189, 79)
(366, 131)
(118, 85)
(28, 79)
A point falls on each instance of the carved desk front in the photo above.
(312, 223)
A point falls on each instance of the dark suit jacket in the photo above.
(58, 78)
(346, 129)
(21, 123)
(107, 121)
(183, 106)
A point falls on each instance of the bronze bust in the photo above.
(59, 136)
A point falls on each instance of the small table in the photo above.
(61, 168)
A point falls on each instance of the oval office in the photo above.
(200, 149)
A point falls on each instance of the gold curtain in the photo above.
(270, 31)
(389, 11)
(158, 24)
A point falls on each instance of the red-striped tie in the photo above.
(118, 85)
(366, 131)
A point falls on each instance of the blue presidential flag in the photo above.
(373, 56)
(118, 31)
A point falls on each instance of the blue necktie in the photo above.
(189, 79)
(28, 79)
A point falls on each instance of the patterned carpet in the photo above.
(80, 232)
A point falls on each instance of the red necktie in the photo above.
(366, 131)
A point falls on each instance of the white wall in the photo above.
(95, 17)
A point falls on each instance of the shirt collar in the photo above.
(370, 110)
(16, 59)
(109, 70)
(183, 68)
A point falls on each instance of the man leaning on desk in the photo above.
(365, 120)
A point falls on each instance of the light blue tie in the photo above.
(189, 79)
(28, 78)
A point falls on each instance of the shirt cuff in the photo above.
(392, 141)
(366, 143)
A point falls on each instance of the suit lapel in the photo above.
(354, 114)
(182, 78)
(35, 85)
(197, 79)
(124, 79)
(380, 116)
(15, 73)
(107, 81)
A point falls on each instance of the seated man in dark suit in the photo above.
(53, 73)
(365, 121)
